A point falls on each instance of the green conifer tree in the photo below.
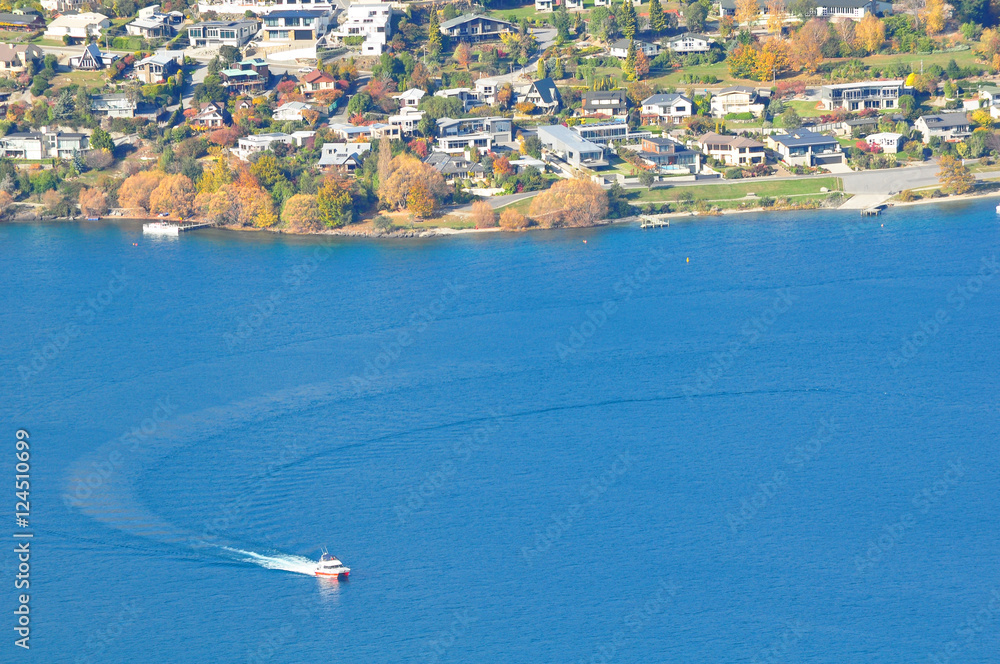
(657, 18)
(628, 20)
(628, 67)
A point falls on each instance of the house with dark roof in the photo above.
(92, 59)
(949, 127)
(732, 150)
(728, 8)
(666, 108)
(455, 166)
(611, 104)
(852, 9)
(669, 156)
(736, 99)
(806, 148)
(690, 42)
(475, 28)
(542, 93)
(27, 22)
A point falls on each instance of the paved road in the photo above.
(891, 180)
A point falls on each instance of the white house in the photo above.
(543, 5)
(852, 9)
(889, 142)
(619, 49)
(946, 126)
(407, 119)
(666, 108)
(43, 144)
(410, 98)
(78, 26)
(690, 42)
(736, 99)
(291, 111)
(467, 96)
(255, 143)
(344, 156)
(373, 21)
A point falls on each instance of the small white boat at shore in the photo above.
(161, 228)
(330, 566)
(998, 209)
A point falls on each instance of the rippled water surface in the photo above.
(769, 437)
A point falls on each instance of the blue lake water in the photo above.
(751, 438)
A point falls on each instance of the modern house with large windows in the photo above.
(806, 148)
(570, 147)
(852, 9)
(43, 144)
(670, 157)
(222, 33)
(866, 94)
(291, 26)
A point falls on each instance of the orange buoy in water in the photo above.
(688, 260)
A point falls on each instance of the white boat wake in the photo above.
(281, 561)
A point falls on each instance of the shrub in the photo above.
(512, 220)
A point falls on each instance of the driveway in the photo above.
(891, 180)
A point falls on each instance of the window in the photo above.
(227, 34)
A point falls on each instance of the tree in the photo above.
(747, 12)
(934, 16)
(512, 220)
(6, 201)
(532, 146)
(577, 202)
(694, 17)
(407, 171)
(55, 203)
(505, 93)
(382, 223)
(628, 66)
(790, 119)
(134, 192)
(562, 23)
(483, 215)
(776, 16)
(602, 23)
(657, 18)
(359, 103)
(435, 42)
(173, 195)
(870, 33)
(647, 178)
(301, 211)
(541, 69)
(804, 9)
(420, 201)
(641, 65)
(384, 159)
(807, 45)
(463, 55)
(742, 61)
(772, 59)
(93, 202)
(334, 203)
(101, 140)
(628, 20)
(955, 176)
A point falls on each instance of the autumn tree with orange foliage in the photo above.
(483, 215)
(174, 195)
(405, 172)
(93, 202)
(463, 55)
(512, 220)
(420, 201)
(242, 202)
(134, 192)
(577, 202)
(807, 45)
(775, 16)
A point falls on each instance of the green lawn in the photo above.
(807, 109)
(739, 189)
(521, 206)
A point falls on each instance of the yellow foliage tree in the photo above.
(776, 16)
(955, 176)
(807, 45)
(93, 202)
(301, 211)
(405, 172)
(934, 15)
(772, 59)
(871, 33)
(512, 220)
(483, 215)
(747, 11)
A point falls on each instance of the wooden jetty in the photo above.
(873, 211)
(653, 222)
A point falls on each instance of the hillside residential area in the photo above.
(373, 117)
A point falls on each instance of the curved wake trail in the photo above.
(281, 561)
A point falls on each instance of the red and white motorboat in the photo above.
(330, 566)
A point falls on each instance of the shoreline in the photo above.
(443, 231)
